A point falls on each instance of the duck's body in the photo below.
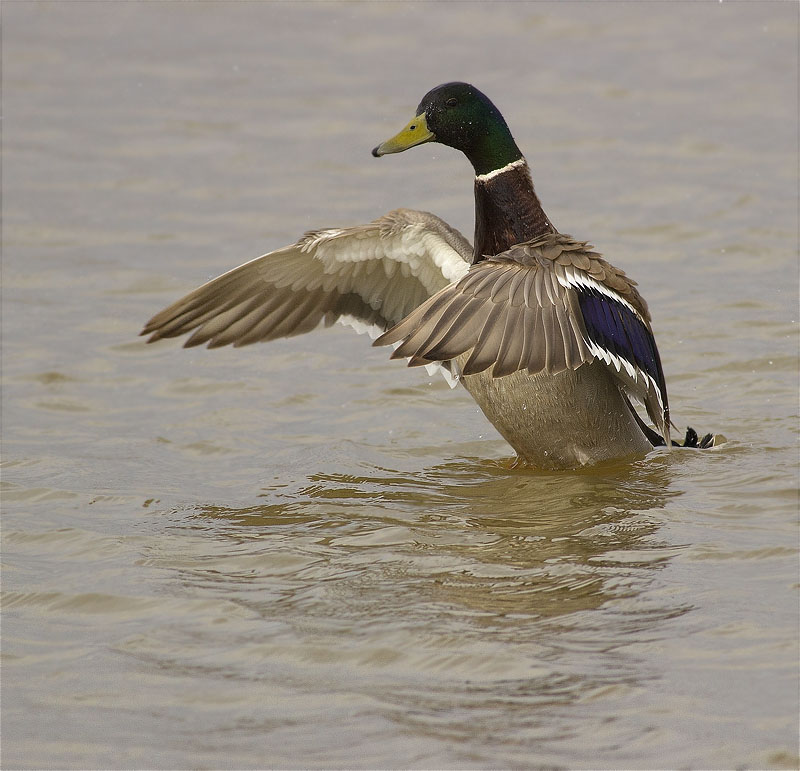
(550, 340)
(575, 418)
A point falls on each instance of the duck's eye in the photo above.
(451, 102)
(411, 128)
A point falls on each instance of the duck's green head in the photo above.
(460, 116)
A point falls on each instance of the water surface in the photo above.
(301, 554)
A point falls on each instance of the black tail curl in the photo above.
(692, 440)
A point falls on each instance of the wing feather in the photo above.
(528, 290)
(484, 354)
(549, 335)
(510, 353)
(447, 316)
(500, 287)
(483, 287)
(538, 281)
(535, 341)
(218, 323)
(463, 332)
(516, 290)
(415, 334)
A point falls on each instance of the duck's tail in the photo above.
(691, 439)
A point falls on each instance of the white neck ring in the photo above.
(497, 172)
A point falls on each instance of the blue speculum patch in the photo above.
(616, 328)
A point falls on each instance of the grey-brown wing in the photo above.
(370, 275)
(509, 316)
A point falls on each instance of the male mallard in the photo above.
(548, 338)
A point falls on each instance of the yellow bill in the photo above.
(415, 133)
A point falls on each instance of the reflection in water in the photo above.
(492, 540)
(409, 589)
(481, 543)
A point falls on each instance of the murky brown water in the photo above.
(304, 555)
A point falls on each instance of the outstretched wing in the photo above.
(545, 306)
(370, 275)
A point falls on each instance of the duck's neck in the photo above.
(507, 210)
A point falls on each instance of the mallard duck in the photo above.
(550, 339)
